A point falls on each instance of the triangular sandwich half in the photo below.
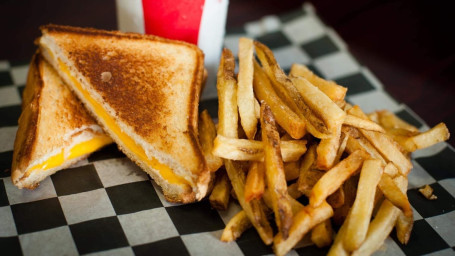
(55, 131)
(144, 91)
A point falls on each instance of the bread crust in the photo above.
(140, 70)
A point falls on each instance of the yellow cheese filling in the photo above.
(163, 169)
(76, 151)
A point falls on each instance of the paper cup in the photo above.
(200, 22)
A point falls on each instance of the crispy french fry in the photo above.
(251, 150)
(350, 191)
(336, 200)
(342, 147)
(320, 104)
(227, 96)
(393, 193)
(327, 151)
(245, 95)
(360, 216)
(291, 170)
(207, 133)
(308, 177)
(337, 248)
(293, 190)
(322, 234)
(253, 209)
(235, 227)
(427, 192)
(384, 144)
(361, 123)
(284, 115)
(219, 198)
(274, 171)
(391, 170)
(333, 178)
(255, 182)
(335, 92)
(426, 139)
(289, 93)
(296, 206)
(398, 198)
(356, 141)
(382, 224)
(389, 120)
(304, 221)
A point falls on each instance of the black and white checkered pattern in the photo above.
(106, 205)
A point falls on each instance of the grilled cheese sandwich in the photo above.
(144, 91)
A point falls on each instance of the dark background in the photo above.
(408, 45)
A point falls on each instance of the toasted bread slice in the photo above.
(55, 131)
(144, 91)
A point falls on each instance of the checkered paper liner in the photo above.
(106, 205)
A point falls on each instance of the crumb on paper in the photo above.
(427, 192)
(106, 76)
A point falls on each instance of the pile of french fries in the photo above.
(281, 137)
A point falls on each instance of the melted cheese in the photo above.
(164, 170)
(76, 151)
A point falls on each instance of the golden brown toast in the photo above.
(53, 121)
(144, 91)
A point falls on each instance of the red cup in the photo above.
(201, 22)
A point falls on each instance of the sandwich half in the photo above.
(54, 132)
(144, 91)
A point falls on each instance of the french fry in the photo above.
(360, 216)
(320, 104)
(398, 198)
(335, 92)
(349, 191)
(285, 116)
(207, 133)
(393, 193)
(235, 227)
(289, 93)
(333, 178)
(382, 224)
(296, 206)
(245, 95)
(304, 221)
(356, 141)
(255, 182)
(342, 147)
(391, 170)
(227, 96)
(336, 200)
(293, 190)
(384, 144)
(219, 198)
(389, 120)
(337, 248)
(253, 209)
(291, 170)
(321, 235)
(426, 139)
(327, 151)
(403, 227)
(274, 171)
(251, 150)
(308, 177)
(427, 192)
(361, 123)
